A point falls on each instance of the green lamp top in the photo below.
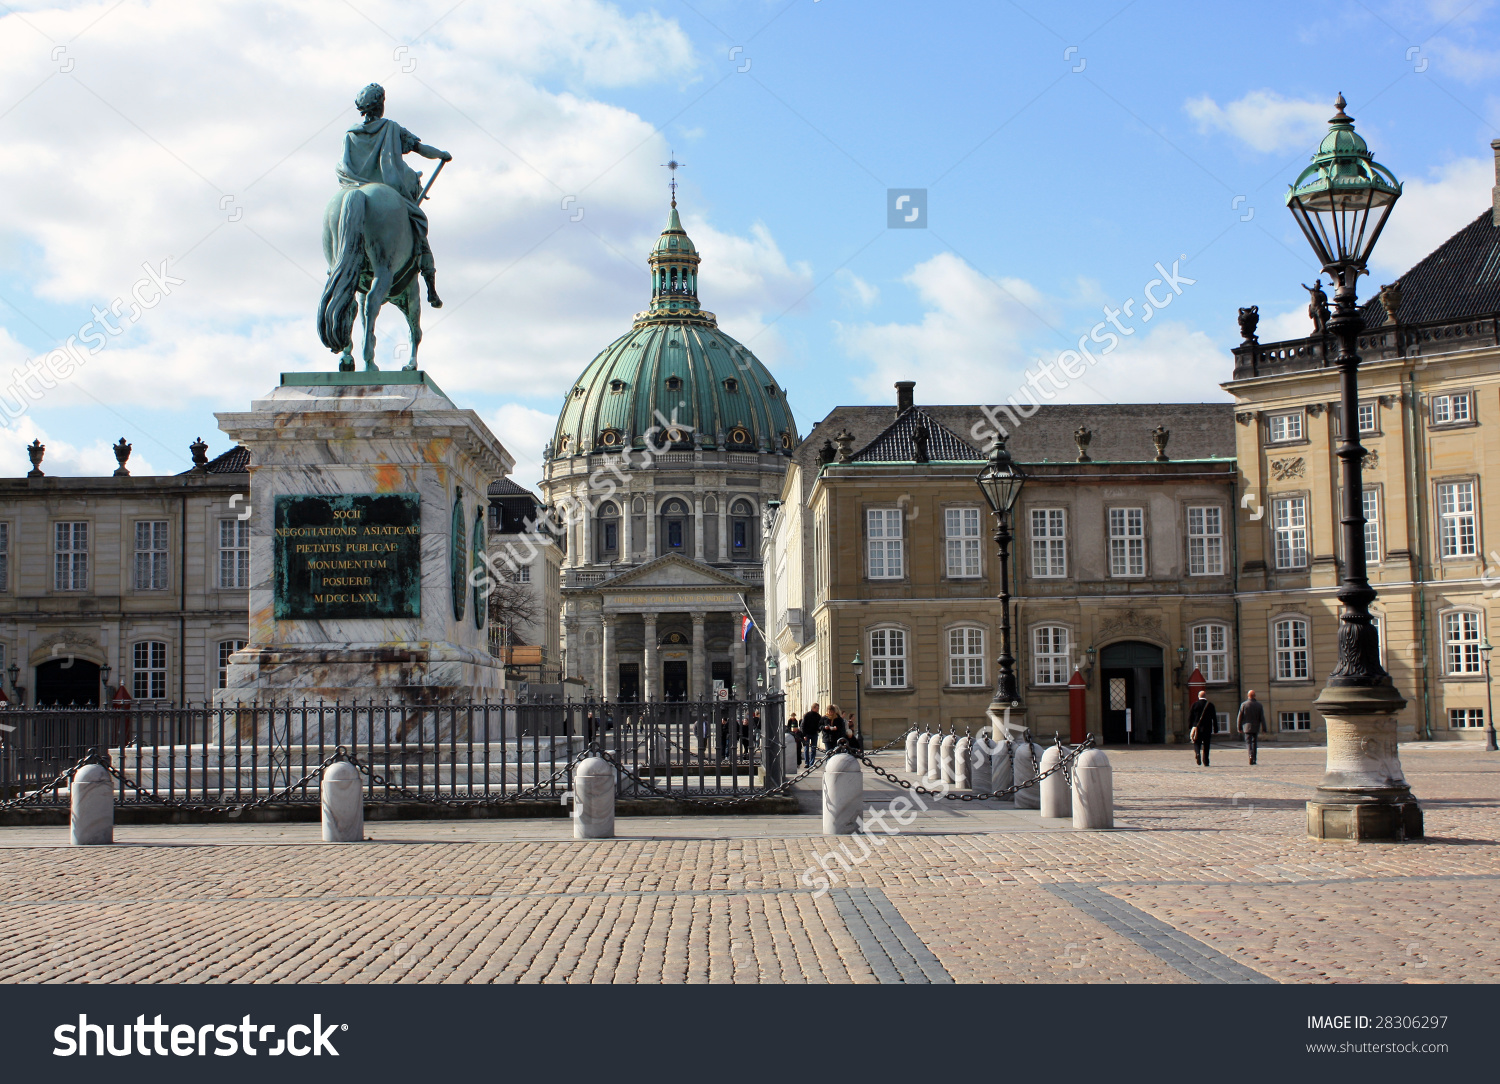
(1344, 173)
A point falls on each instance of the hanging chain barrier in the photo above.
(1060, 766)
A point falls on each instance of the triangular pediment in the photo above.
(672, 570)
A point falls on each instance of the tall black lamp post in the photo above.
(1489, 700)
(15, 676)
(858, 666)
(1000, 481)
(1342, 201)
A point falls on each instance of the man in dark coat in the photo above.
(812, 726)
(1201, 718)
(1252, 720)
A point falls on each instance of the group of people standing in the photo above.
(829, 726)
(1250, 721)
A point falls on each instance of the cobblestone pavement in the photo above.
(1207, 879)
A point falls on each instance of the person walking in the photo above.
(794, 728)
(1201, 718)
(1252, 720)
(834, 728)
(812, 726)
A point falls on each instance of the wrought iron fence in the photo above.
(473, 752)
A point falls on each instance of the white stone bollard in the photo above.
(945, 757)
(92, 818)
(1057, 798)
(1093, 791)
(343, 795)
(1024, 767)
(962, 780)
(843, 795)
(979, 764)
(934, 759)
(594, 799)
(921, 768)
(1002, 768)
(911, 750)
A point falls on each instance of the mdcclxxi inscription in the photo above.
(348, 555)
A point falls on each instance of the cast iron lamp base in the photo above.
(1363, 797)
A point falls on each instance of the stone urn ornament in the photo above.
(1249, 321)
(1159, 437)
(122, 453)
(199, 450)
(35, 452)
(845, 441)
(1081, 437)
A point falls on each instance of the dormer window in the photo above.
(731, 384)
(617, 386)
(578, 392)
(739, 435)
(771, 390)
(674, 383)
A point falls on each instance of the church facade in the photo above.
(666, 453)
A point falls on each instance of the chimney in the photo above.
(904, 397)
(1495, 192)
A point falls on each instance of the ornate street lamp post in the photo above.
(1342, 201)
(858, 666)
(1000, 481)
(1489, 700)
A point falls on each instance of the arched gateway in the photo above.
(1132, 694)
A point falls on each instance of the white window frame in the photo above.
(1049, 543)
(1127, 542)
(1363, 411)
(152, 541)
(1462, 631)
(966, 656)
(1205, 540)
(148, 670)
(1051, 655)
(961, 530)
(1221, 722)
(1210, 644)
(887, 658)
(234, 554)
(70, 547)
(226, 649)
(1289, 531)
(1285, 428)
(1291, 649)
(1294, 721)
(1465, 718)
(1452, 408)
(1370, 504)
(884, 537)
(1458, 524)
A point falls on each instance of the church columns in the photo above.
(627, 548)
(697, 678)
(610, 670)
(724, 554)
(698, 527)
(649, 678)
(650, 526)
(586, 529)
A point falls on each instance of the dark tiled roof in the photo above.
(898, 443)
(1460, 278)
(234, 461)
(504, 487)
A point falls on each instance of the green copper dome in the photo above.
(675, 368)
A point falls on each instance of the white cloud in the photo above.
(1431, 210)
(855, 290)
(1170, 363)
(524, 432)
(170, 111)
(63, 458)
(1264, 120)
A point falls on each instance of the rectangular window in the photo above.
(611, 537)
(1450, 409)
(1127, 541)
(1205, 541)
(741, 534)
(883, 530)
(1291, 650)
(1371, 500)
(1465, 718)
(1049, 542)
(1211, 651)
(961, 526)
(234, 553)
(674, 534)
(226, 649)
(4, 556)
(966, 656)
(1295, 720)
(71, 550)
(149, 673)
(1457, 536)
(522, 574)
(1461, 642)
(1284, 427)
(1221, 723)
(1050, 657)
(1367, 417)
(888, 659)
(1289, 519)
(151, 555)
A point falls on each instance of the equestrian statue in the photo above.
(375, 233)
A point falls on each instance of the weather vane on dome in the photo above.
(673, 164)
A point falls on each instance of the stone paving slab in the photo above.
(1213, 857)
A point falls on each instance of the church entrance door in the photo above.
(674, 679)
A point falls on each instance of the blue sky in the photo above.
(1065, 149)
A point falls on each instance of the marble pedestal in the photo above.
(367, 434)
(1363, 797)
